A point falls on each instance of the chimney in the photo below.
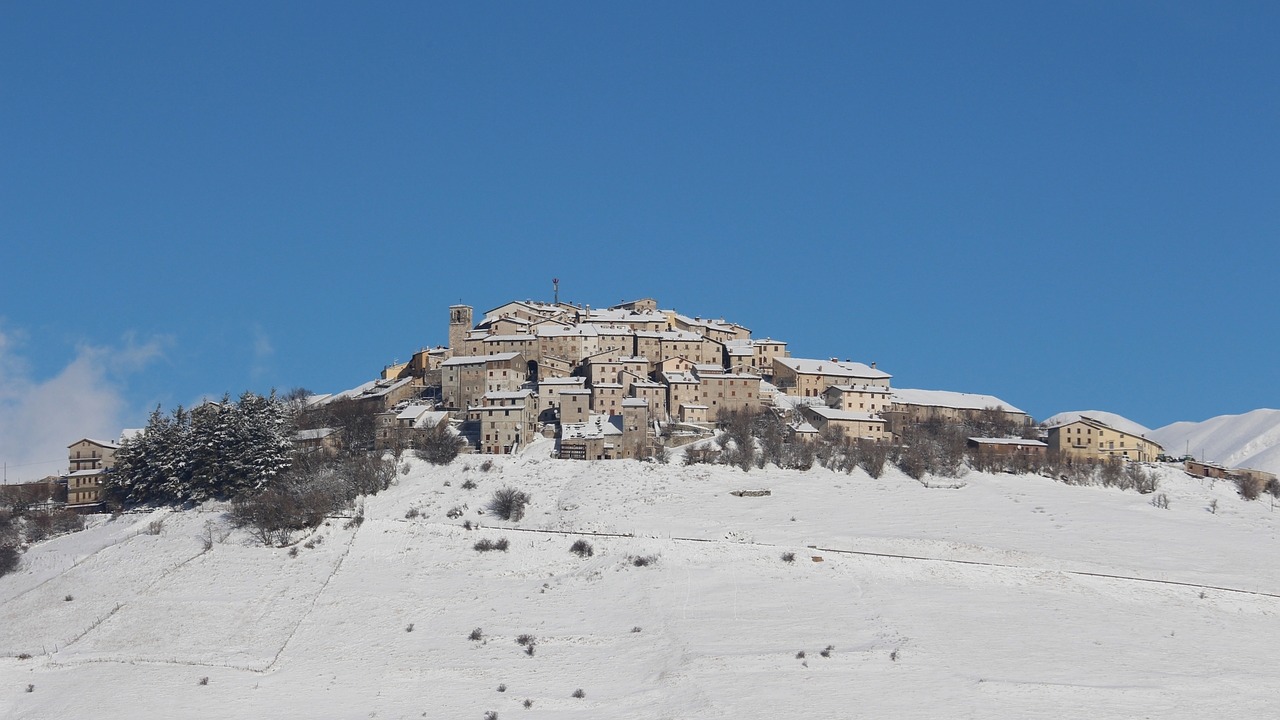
(873, 364)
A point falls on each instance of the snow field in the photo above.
(989, 615)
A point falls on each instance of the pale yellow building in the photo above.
(1087, 437)
(803, 377)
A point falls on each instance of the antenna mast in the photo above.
(555, 284)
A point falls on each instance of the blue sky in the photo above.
(1068, 205)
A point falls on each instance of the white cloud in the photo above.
(40, 417)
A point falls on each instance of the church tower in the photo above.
(459, 326)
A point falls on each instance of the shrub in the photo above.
(204, 680)
(408, 628)
(476, 635)
(27, 656)
(486, 466)
(9, 559)
(486, 545)
(528, 703)
(412, 513)
(1161, 501)
(469, 484)
(800, 655)
(579, 694)
(155, 527)
(68, 598)
(826, 651)
(526, 639)
(502, 687)
(439, 445)
(644, 560)
(582, 549)
(1250, 486)
(528, 649)
(509, 503)
(789, 557)
(491, 715)
(636, 629)
(273, 515)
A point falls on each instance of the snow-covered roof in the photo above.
(100, 443)
(508, 395)
(511, 338)
(478, 359)
(1008, 441)
(584, 330)
(949, 399)
(708, 369)
(87, 473)
(827, 413)
(1101, 417)
(634, 402)
(412, 412)
(596, 426)
(563, 381)
(679, 377)
(314, 434)
(877, 389)
(832, 368)
(803, 428)
(681, 336)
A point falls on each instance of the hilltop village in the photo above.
(631, 381)
(623, 381)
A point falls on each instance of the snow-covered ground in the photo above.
(1010, 597)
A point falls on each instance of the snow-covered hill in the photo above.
(1118, 422)
(1248, 440)
(1010, 597)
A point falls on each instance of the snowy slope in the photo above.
(1248, 440)
(1010, 597)
(1118, 422)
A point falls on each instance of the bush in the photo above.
(1250, 486)
(644, 560)
(1161, 501)
(9, 559)
(486, 545)
(528, 703)
(582, 549)
(439, 445)
(579, 694)
(509, 503)
(273, 515)
(476, 635)
(788, 557)
(525, 639)
(826, 651)
(469, 484)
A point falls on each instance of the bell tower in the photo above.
(459, 326)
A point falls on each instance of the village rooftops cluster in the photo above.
(609, 382)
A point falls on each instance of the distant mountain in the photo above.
(1248, 440)
(1118, 422)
